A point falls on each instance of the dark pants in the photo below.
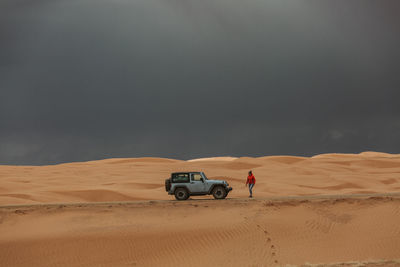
(251, 189)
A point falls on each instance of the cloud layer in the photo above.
(82, 80)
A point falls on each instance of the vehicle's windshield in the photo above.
(204, 176)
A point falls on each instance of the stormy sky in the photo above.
(91, 79)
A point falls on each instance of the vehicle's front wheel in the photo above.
(181, 194)
(219, 192)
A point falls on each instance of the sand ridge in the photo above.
(143, 178)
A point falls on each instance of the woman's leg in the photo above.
(251, 189)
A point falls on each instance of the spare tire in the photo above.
(167, 184)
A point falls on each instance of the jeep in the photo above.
(186, 184)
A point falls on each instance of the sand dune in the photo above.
(143, 178)
(105, 228)
(213, 159)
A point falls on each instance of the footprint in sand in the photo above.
(20, 212)
(268, 240)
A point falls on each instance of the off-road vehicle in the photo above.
(186, 184)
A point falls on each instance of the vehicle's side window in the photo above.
(180, 178)
(196, 177)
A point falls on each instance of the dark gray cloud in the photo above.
(82, 80)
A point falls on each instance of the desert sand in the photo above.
(143, 178)
(326, 210)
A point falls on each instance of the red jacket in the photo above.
(251, 179)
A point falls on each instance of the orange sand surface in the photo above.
(315, 211)
(143, 178)
(356, 232)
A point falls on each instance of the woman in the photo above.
(251, 181)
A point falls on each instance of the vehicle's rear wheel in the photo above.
(181, 194)
(219, 192)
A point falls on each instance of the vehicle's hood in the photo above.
(216, 182)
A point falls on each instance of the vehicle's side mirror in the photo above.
(202, 179)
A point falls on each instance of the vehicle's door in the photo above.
(196, 184)
(207, 185)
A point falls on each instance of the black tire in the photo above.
(181, 194)
(219, 192)
(167, 184)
